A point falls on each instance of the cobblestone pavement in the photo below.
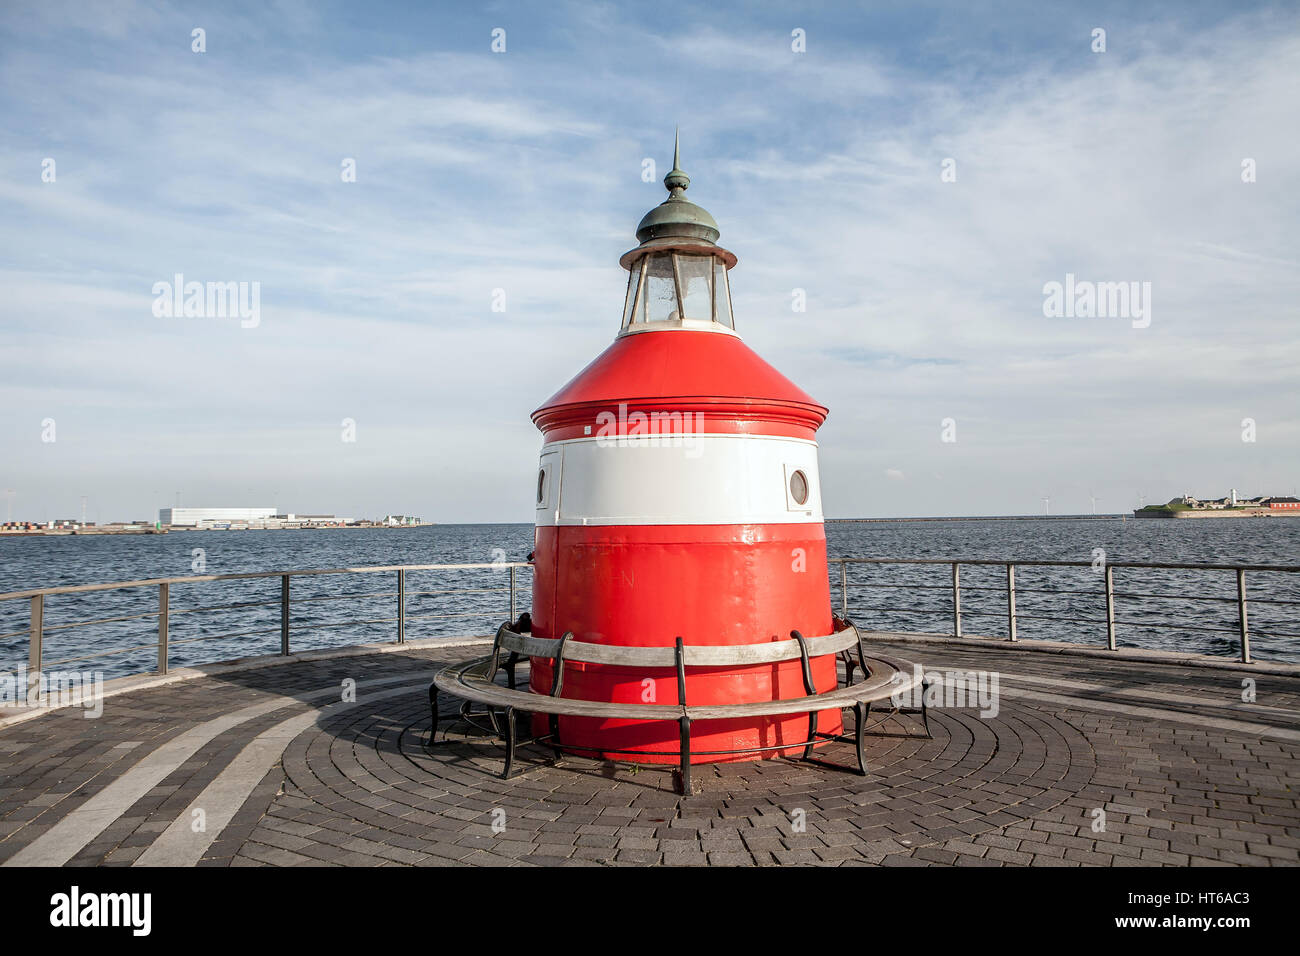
(1087, 762)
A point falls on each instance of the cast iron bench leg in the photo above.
(433, 709)
(862, 710)
(510, 742)
(812, 733)
(554, 726)
(810, 687)
(684, 774)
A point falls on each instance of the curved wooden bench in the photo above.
(475, 681)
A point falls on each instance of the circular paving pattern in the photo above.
(1087, 762)
(374, 764)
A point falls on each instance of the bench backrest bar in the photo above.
(696, 655)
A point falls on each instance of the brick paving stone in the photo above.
(360, 787)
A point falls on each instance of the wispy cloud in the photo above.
(521, 172)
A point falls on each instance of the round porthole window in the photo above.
(541, 487)
(799, 488)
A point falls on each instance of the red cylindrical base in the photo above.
(644, 586)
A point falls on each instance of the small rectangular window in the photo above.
(547, 477)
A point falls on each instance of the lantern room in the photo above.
(677, 276)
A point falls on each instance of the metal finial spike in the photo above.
(676, 181)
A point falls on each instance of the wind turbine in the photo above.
(9, 505)
(1095, 499)
(1047, 505)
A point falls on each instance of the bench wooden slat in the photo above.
(881, 685)
(469, 681)
(697, 655)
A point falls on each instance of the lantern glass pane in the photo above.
(660, 291)
(695, 274)
(633, 280)
(722, 295)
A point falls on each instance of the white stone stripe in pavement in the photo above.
(1231, 699)
(1154, 713)
(180, 845)
(66, 838)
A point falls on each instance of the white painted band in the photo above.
(693, 479)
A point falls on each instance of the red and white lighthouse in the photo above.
(678, 496)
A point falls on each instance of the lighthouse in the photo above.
(678, 496)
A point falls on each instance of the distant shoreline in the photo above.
(178, 529)
(1161, 514)
(1109, 517)
(1118, 516)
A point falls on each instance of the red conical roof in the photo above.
(683, 370)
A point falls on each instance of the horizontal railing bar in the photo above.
(153, 646)
(448, 617)
(1180, 627)
(1177, 597)
(216, 637)
(461, 591)
(99, 620)
(297, 599)
(902, 610)
(372, 620)
(910, 587)
(1020, 590)
(250, 575)
(239, 605)
(1059, 620)
(1003, 562)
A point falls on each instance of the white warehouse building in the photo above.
(194, 516)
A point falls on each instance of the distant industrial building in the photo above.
(394, 521)
(187, 517)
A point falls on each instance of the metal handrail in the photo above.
(37, 629)
(1242, 630)
(247, 575)
(1002, 562)
(37, 596)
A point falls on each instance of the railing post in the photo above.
(1110, 607)
(956, 599)
(512, 592)
(164, 605)
(1241, 615)
(36, 637)
(401, 606)
(844, 590)
(284, 615)
(1011, 602)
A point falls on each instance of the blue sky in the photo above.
(521, 171)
